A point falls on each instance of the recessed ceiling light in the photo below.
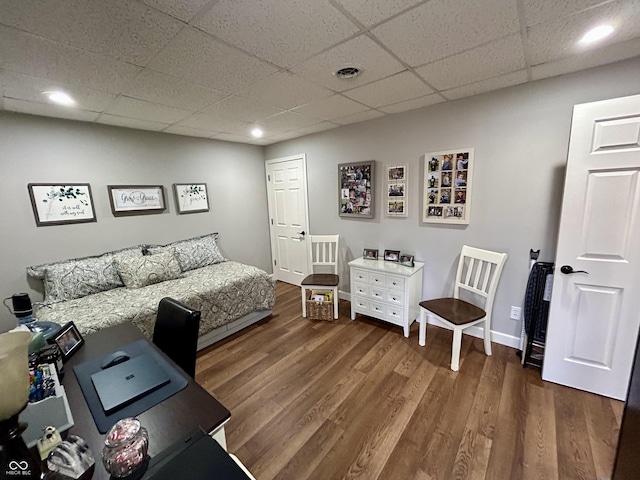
(257, 133)
(347, 73)
(60, 98)
(597, 33)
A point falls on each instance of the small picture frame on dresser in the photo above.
(406, 260)
(392, 255)
(370, 254)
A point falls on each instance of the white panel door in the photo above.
(288, 217)
(595, 304)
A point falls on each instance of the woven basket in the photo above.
(319, 310)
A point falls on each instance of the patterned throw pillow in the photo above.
(79, 278)
(194, 253)
(147, 270)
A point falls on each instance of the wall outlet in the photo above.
(516, 313)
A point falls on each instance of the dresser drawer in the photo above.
(361, 276)
(394, 283)
(377, 279)
(393, 297)
(378, 309)
(361, 289)
(394, 314)
(378, 294)
(361, 305)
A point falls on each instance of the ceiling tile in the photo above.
(241, 109)
(280, 137)
(558, 39)
(46, 110)
(177, 92)
(182, 9)
(541, 11)
(400, 87)
(25, 53)
(25, 87)
(126, 29)
(285, 90)
(331, 107)
(197, 57)
(592, 58)
(420, 102)
(362, 52)
(320, 127)
(205, 121)
(230, 137)
(280, 31)
(369, 13)
(359, 117)
(130, 123)
(440, 28)
(496, 83)
(289, 121)
(189, 131)
(142, 110)
(490, 60)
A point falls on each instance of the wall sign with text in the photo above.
(57, 204)
(136, 199)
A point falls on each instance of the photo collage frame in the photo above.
(397, 196)
(447, 186)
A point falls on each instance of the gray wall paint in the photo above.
(520, 136)
(36, 149)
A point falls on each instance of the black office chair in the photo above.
(176, 333)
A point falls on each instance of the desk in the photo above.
(166, 422)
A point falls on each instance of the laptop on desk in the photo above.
(124, 383)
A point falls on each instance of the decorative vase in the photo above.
(125, 448)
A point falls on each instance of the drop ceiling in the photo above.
(219, 68)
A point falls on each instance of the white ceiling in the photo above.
(218, 68)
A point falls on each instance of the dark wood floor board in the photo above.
(575, 460)
(600, 416)
(347, 399)
(505, 461)
(540, 454)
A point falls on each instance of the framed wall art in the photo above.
(136, 199)
(58, 204)
(447, 186)
(396, 183)
(355, 189)
(191, 197)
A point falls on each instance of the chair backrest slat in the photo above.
(324, 251)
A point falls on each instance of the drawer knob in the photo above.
(394, 298)
(394, 283)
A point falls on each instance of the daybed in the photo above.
(127, 285)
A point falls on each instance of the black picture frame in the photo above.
(68, 340)
(392, 255)
(406, 260)
(370, 254)
(355, 189)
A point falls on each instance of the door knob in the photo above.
(302, 233)
(568, 269)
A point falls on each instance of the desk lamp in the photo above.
(14, 385)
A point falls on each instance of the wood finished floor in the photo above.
(343, 399)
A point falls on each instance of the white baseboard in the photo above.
(497, 337)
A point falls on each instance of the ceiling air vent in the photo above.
(347, 73)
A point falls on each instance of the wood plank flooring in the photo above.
(346, 400)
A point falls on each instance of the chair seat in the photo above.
(322, 279)
(454, 310)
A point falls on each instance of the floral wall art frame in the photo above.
(191, 197)
(355, 189)
(128, 200)
(61, 204)
(448, 178)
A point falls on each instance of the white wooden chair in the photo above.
(324, 252)
(477, 276)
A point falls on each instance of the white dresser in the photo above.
(386, 290)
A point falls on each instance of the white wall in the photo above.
(36, 149)
(521, 139)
